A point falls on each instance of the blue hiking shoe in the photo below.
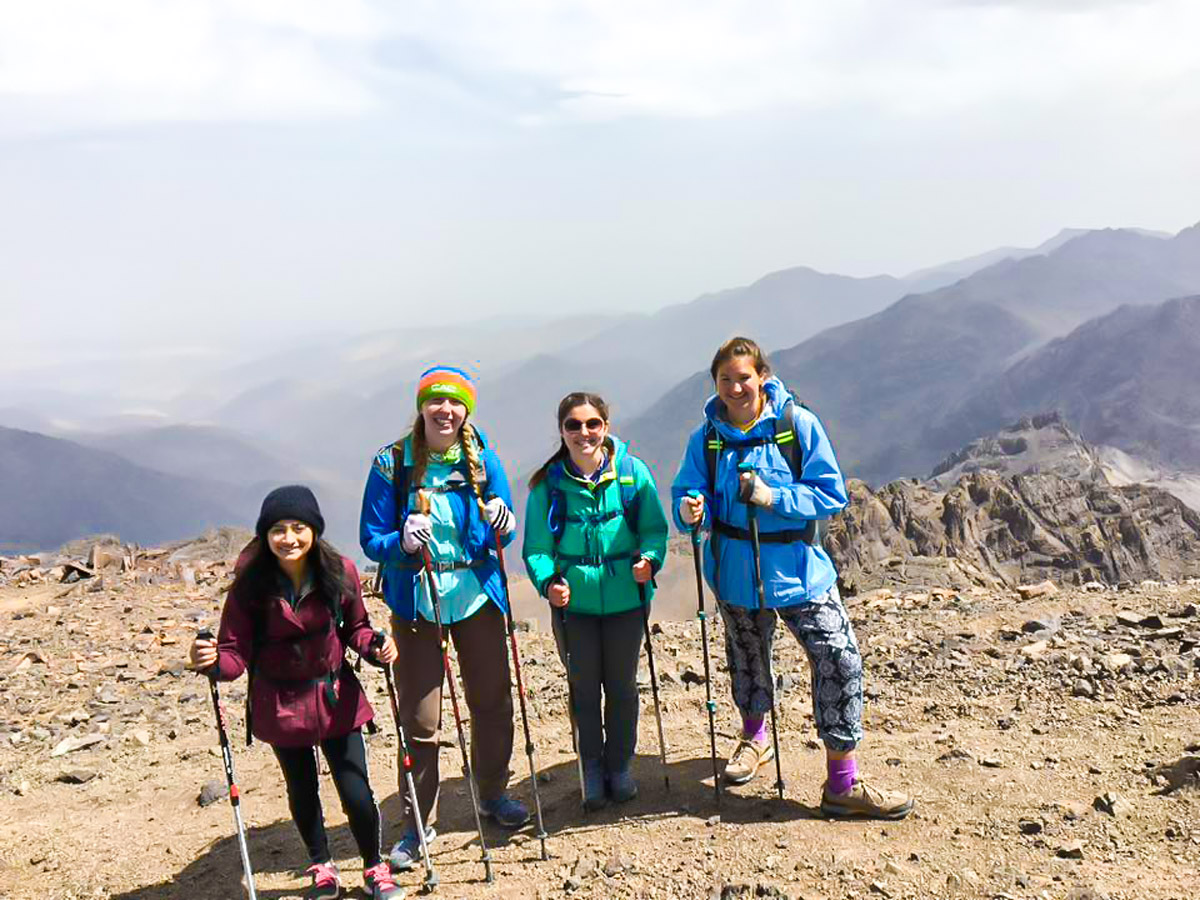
(621, 786)
(406, 854)
(593, 785)
(505, 811)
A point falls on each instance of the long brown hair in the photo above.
(471, 448)
(740, 346)
(257, 578)
(565, 405)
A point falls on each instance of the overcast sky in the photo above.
(188, 172)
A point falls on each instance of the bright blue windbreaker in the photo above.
(792, 573)
(379, 531)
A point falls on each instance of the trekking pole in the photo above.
(431, 879)
(235, 796)
(745, 487)
(561, 615)
(662, 743)
(512, 639)
(703, 617)
(486, 857)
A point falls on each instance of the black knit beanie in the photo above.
(292, 501)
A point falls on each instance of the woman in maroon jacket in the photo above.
(294, 606)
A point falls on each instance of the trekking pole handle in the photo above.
(694, 494)
(745, 485)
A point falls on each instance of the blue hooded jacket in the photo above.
(379, 531)
(792, 573)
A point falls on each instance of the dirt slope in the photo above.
(1007, 718)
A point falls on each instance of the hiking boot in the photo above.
(864, 801)
(593, 785)
(379, 883)
(325, 883)
(406, 854)
(621, 786)
(505, 811)
(748, 757)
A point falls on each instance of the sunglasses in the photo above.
(574, 425)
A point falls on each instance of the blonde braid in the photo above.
(476, 472)
(420, 451)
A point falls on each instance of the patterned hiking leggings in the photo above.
(823, 627)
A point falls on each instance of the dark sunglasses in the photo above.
(573, 425)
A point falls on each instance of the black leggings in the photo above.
(347, 758)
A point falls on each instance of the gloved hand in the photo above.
(502, 518)
(418, 532)
(691, 509)
(755, 490)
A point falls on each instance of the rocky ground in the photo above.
(1052, 739)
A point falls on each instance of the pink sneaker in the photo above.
(326, 885)
(380, 884)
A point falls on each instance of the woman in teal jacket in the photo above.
(595, 535)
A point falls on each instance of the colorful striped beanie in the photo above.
(446, 381)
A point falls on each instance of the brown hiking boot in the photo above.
(865, 801)
(748, 757)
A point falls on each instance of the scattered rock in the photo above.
(1070, 850)
(76, 776)
(1113, 804)
(211, 792)
(1041, 589)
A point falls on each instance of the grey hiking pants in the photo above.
(604, 653)
(823, 628)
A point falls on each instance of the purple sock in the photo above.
(841, 774)
(754, 728)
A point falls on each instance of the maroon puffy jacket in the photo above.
(293, 701)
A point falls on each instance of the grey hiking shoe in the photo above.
(621, 786)
(406, 854)
(593, 785)
(505, 811)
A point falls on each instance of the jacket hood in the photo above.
(776, 398)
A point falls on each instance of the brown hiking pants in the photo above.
(482, 656)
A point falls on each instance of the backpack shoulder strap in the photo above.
(786, 438)
(556, 505)
(712, 450)
(399, 482)
(627, 482)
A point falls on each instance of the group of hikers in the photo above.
(758, 474)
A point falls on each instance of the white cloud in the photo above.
(75, 63)
(65, 63)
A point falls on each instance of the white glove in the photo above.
(502, 519)
(418, 532)
(760, 494)
(691, 509)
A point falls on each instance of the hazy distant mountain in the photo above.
(883, 385)
(197, 451)
(55, 490)
(1127, 380)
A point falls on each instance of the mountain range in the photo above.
(903, 371)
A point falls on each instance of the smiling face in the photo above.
(290, 540)
(739, 385)
(584, 430)
(443, 419)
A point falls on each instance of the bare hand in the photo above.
(691, 509)
(559, 594)
(387, 652)
(203, 653)
(642, 571)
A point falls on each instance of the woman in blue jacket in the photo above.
(745, 440)
(443, 489)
